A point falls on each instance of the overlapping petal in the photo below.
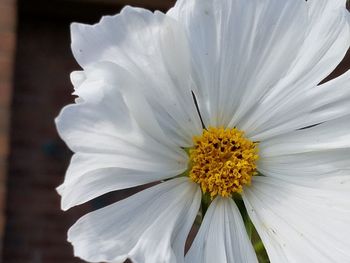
(153, 48)
(148, 227)
(290, 104)
(222, 236)
(240, 50)
(308, 166)
(300, 221)
(328, 136)
(322, 103)
(255, 60)
(113, 150)
(302, 204)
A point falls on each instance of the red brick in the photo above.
(5, 93)
(6, 68)
(7, 18)
(8, 2)
(7, 43)
(7, 46)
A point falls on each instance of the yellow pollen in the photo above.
(222, 161)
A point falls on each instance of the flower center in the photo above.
(222, 161)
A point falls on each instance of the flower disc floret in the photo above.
(222, 161)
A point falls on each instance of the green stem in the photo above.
(259, 247)
(206, 200)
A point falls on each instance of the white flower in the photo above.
(149, 82)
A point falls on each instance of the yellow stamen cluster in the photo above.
(222, 161)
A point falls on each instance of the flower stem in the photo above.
(206, 200)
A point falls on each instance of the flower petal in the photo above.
(114, 151)
(153, 48)
(319, 104)
(222, 236)
(148, 227)
(331, 135)
(291, 103)
(91, 175)
(240, 49)
(299, 222)
(311, 165)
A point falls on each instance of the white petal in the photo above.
(113, 150)
(289, 105)
(104, 113)
(153, 49)
(240, 49)
(326, 43)
(222, 236)
(298, 222)
(308, 166)
(321, 7)
(148, 227)
(318, 104)
(105, 79)
(77, 78)
(93, 174)
(327, 136)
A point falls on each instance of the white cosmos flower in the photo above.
(252, 66)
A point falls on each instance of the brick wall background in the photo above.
(35, 226)
(7, 48)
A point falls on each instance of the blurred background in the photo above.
(35, 63)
